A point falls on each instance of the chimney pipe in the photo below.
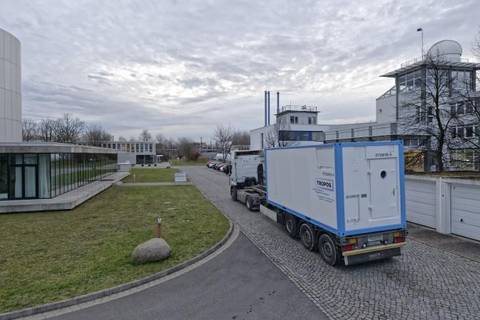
(278, 102)
(268, 109)
(265, 108)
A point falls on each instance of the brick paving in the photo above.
(424, 283)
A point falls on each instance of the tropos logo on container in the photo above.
(326, 184)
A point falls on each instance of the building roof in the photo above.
(417, 64)
(50, 147)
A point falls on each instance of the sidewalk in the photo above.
(463, 247)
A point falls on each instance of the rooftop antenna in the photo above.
(421, 31)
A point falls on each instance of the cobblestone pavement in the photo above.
(424, 283)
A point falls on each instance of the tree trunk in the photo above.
(439, 156)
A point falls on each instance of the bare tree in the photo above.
(95, 135)
(29, 130)
(223, 137)
(425, 108)
(271, 138)
(122, 139)
(47, 129)
(145, 136)
(161, 140)
(69, 129)
(241, 138)
(187, 149)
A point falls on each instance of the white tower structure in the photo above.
(10, 89)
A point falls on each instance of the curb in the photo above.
(123, 287)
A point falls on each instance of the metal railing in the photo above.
(292, 107)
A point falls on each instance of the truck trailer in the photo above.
(346, 200)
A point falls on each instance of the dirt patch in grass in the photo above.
(151, 175)
(46, 257)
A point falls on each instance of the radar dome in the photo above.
(448, 50)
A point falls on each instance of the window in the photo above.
(453, 132)
(292, 119)
(460, 107)
(461, 80)
(469, 107)
(460, 132)
(411, 82)
(464, 159)
(309, 120)
(301, 136)
(469, 131)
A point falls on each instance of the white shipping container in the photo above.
(345, 188)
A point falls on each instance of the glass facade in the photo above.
(301, 136)
(47, 175)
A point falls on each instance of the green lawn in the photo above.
(151, 175)
(45, 257)
(199, 162)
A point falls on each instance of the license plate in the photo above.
(375, 237)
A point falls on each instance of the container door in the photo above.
(383, 188)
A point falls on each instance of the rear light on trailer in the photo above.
(399, 239)
(352, 241)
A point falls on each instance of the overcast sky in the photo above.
(181, 67)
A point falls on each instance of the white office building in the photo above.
(403, 113)
(10, 88)
(134, 152)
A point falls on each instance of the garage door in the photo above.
(420, 202)
(466, 211)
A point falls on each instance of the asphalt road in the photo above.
(240, 283)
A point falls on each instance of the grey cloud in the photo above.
(166, 65)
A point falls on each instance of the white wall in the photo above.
(446, 204)
(386, 109)
(256, 136)
(10, 89)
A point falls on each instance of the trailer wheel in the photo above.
(307, 236)
(328, 249)
(291, 225)
(249, 203)
(233, 193)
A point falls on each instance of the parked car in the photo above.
(210, 163)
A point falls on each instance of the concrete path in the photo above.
(240, 283)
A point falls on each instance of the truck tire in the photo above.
(233, 193)
(249, 203)
(328, 250)
(307, 236)
(291, 225)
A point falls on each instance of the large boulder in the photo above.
(156, 249)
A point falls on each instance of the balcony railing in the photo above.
(419, 60)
